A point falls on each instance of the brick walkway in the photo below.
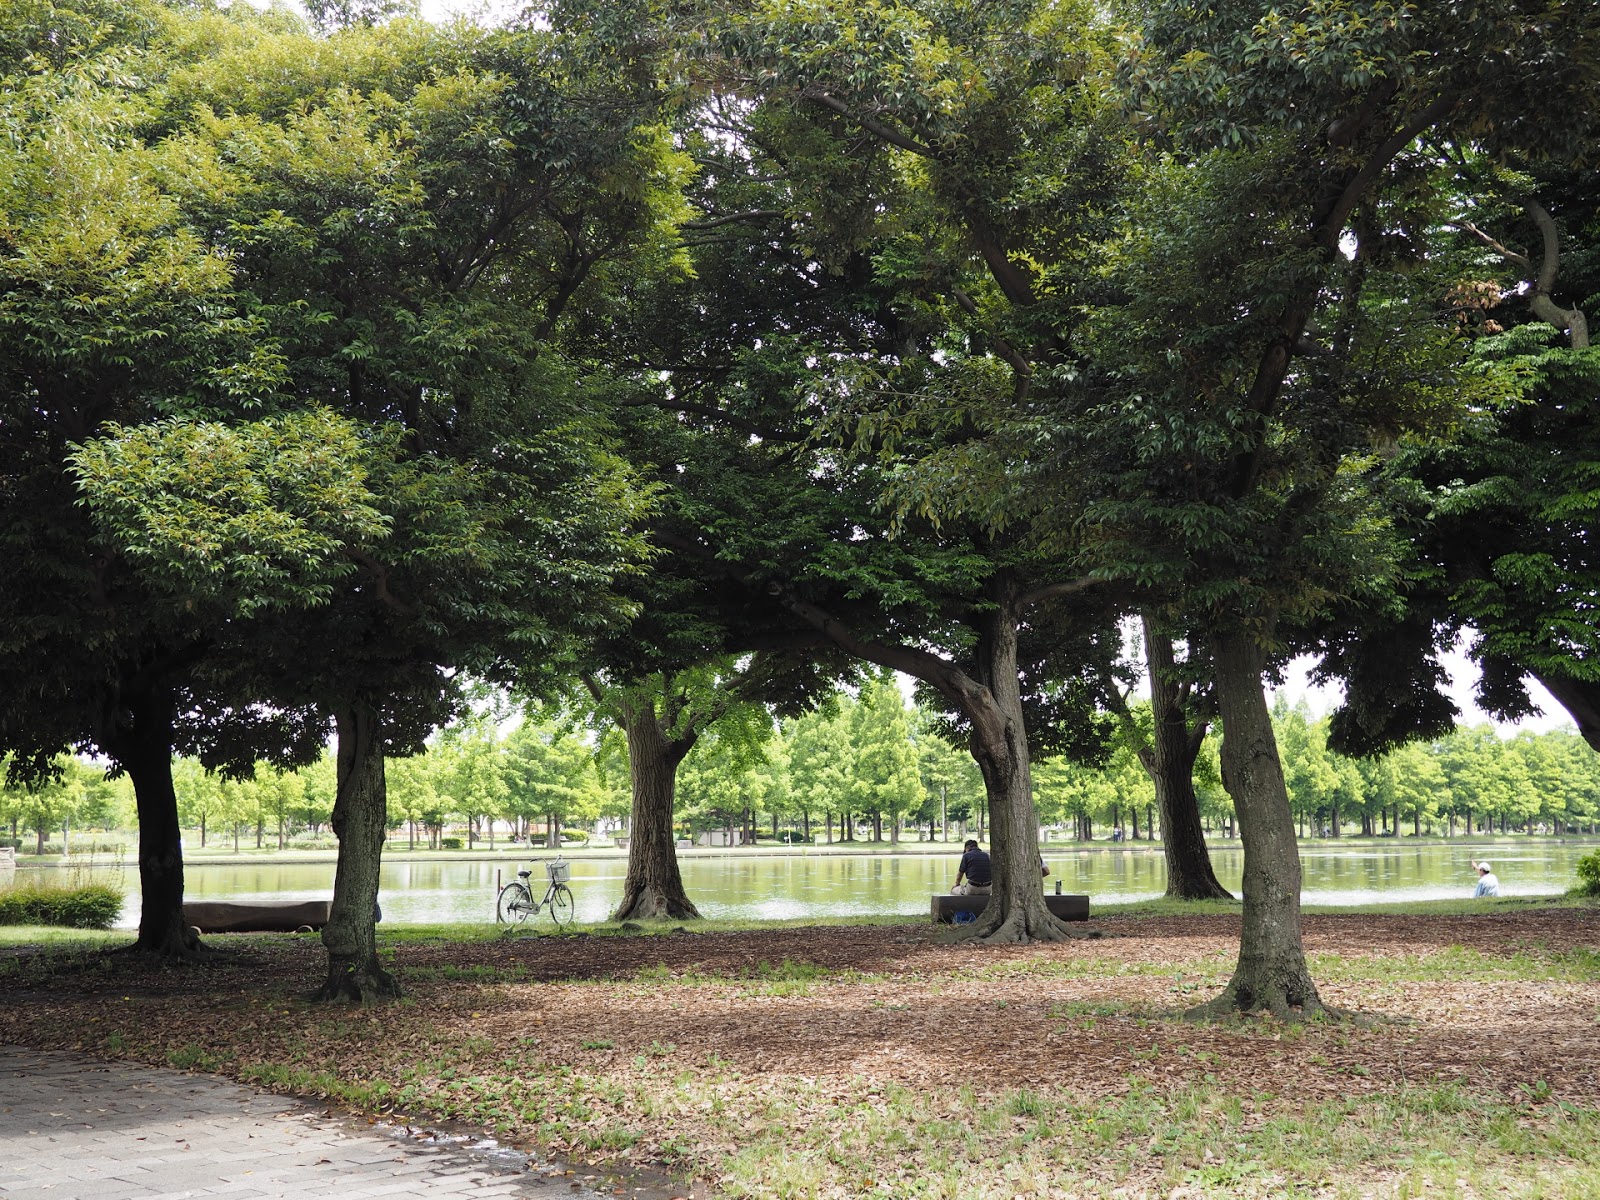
(74, 1128)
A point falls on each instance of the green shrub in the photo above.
(575, 835)
(451, 843)
(1589, 874)
(77, 847)
(92, 906)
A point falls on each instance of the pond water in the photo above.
(770, 886)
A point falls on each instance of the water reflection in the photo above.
(725, 884)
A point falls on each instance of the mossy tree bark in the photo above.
(360, 820)
(1016, 911)
(1175, 741)
(141, 740)
(1271, 974)
(653, 888)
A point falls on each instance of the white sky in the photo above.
(485, 12)
(1463, 677)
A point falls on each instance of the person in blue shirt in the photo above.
(1488, 885)
(976, 870)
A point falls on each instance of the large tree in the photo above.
(117, 310)
(811, 205)
(422, 236)
(410, 242)
(1272, 334)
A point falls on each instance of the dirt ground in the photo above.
(1506, 1003)
(927, 1012)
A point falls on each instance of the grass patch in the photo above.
(1035, 1142)
(49, 936)
(1535, 964)
(1465, 906)
(1163, 907)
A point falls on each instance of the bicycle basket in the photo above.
(558, 871)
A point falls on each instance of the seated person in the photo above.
(976, 870)
(1488, 885)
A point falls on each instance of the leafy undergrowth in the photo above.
(871, 1061)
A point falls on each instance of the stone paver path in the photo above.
(74, 1128)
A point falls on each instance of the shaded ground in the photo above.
(682, 1047)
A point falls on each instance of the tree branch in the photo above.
(1544, 282)
(1274, 366)
(1410, 129)
(1546, 309)
(1050, 591)
(380, 578)
(757, 214)
(1021, 368)
(1012, 279)
(949, 680)
(1511, 256)
(873, 126)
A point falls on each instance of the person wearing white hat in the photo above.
(1488, 885)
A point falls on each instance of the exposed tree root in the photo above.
(1024, 924)
(651, 903)
(181, 946)
(1199, 889)
(1291, 1006)
(351, 983)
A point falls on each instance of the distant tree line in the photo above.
(864, 767)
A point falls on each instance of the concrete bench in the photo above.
(1067, 908)
(256, 916)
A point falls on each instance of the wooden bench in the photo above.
(1066, 907)
(256, 916)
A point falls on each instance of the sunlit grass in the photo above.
(49, 935)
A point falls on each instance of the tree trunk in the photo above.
(1581, 699)
(203, 833)
(360, 817)
(1174, 747)
(142, 743)
(1271, 973)
(653, 887)
(1016, 910)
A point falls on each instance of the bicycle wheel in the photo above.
(516, 902)
(559, 901)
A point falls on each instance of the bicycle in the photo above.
(516, 903)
